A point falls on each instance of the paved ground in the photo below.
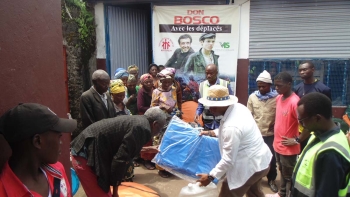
(166, 187)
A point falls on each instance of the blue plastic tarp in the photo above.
(184, 153)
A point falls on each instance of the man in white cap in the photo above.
(262, 104)
(245, 158)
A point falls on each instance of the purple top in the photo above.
(143, 101)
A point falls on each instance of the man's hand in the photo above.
(150, 149)
(204, 133)
(289, 141)
(204, 180)
(170, 110)
(132, 97)
(210, 133)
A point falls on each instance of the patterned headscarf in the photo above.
(171, 70)
(164, 74)
(120, 72)
(133, 67)
(132, 78)
(144, 77)
(116, 86)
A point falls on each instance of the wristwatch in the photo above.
(297, 140)
(211, 178)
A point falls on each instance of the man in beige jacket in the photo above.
(262, 104)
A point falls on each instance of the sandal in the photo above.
(136, 164)
(164, 173)
(149, 165)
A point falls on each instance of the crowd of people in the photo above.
(123, 119)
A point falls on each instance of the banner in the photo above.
(188, 38)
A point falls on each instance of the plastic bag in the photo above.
(184, 153)
(193, 189)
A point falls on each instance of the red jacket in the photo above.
(11, 186)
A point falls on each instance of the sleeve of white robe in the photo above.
(230, 138)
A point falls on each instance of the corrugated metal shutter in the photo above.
(190, 2)
(164, 2)
(299, 29)
(128, 38)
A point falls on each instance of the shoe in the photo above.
(149, 165)
(273, 186)
(272, 195)
(164, 174)
(136, 164)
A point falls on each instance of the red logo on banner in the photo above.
(166, 44)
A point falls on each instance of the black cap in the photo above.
(28, 119)
(206, 35)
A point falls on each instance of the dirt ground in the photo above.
(166, 187)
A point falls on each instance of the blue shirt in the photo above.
(200, 108)
(301, 89)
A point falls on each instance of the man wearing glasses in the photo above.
(286, 130)
(324, 165)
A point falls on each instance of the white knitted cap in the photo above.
(264, 77)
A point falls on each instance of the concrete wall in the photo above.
(243, 53)
(31, 58)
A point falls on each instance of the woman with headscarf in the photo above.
(144, 97)
(122, 74)
(153, 70)
(165, 95)
(131, 94)
(134, 70)
(117, 91)
(177, 86)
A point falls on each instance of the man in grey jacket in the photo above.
(95, 103)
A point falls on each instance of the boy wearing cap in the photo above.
(197, 62)
(33, 132)
(262, 104)
(245, 158)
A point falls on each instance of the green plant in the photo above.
(85, 22)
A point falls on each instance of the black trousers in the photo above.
(271, 176)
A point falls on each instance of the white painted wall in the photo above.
(100, 31)
(243, 49)
(243, 52)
